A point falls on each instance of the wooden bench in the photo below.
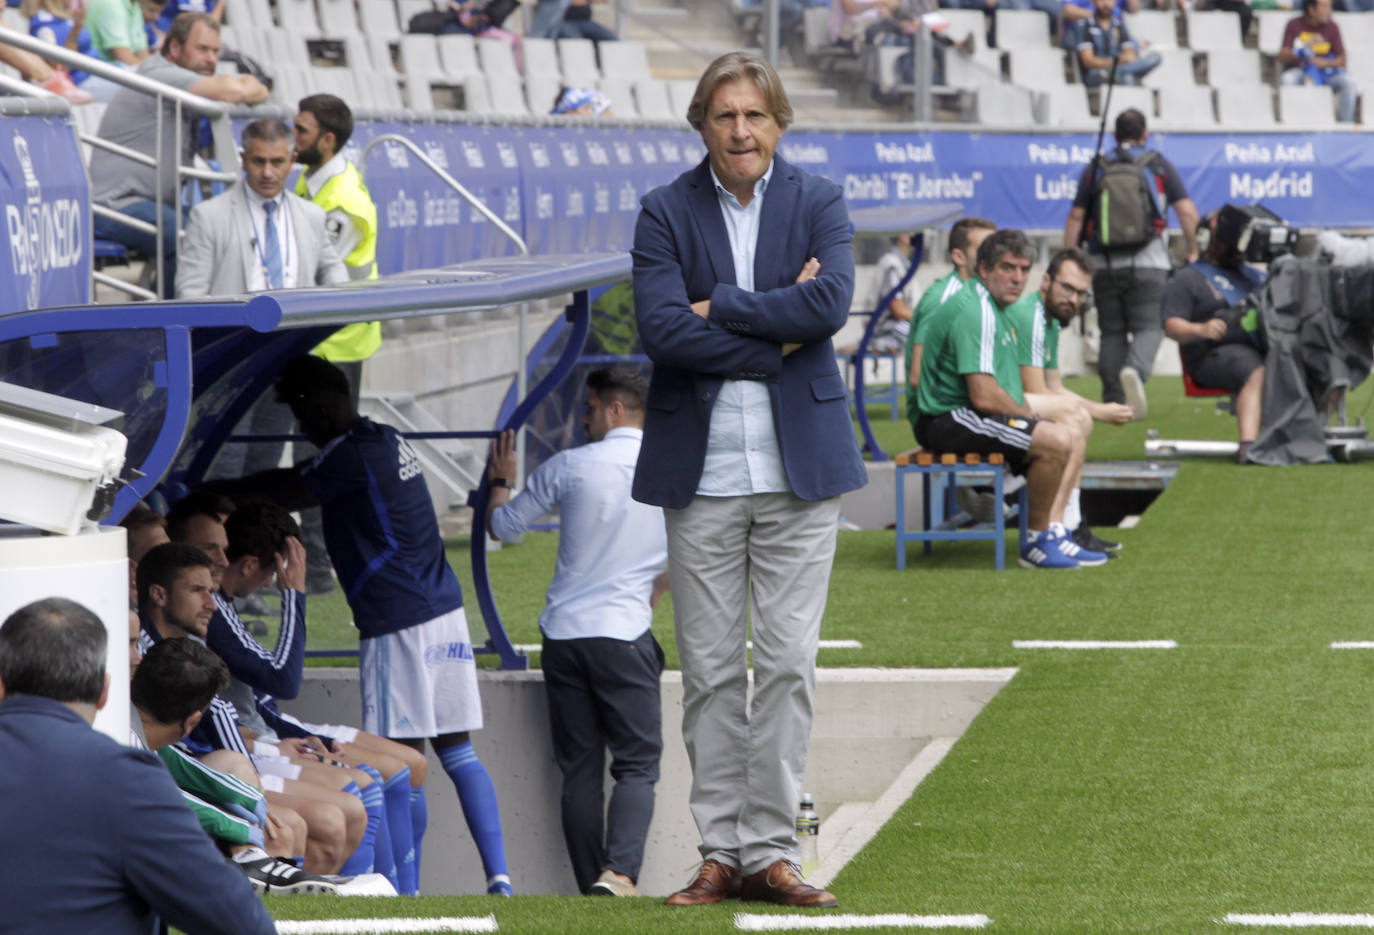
(939, 475)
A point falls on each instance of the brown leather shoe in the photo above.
(715, 881)
(780, 883)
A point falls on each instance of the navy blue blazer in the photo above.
(682, 255)
(100, 839)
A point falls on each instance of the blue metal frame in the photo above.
(893, 219)
(939, 479)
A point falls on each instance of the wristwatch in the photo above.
(502, 482)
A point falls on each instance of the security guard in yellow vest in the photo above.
(323, 126)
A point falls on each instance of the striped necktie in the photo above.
(271, 247)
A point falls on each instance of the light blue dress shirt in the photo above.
(610, 547)
(742, 453)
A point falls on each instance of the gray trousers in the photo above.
(1128, 302)
(772, 552)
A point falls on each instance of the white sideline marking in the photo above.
(1355, 644)
(1129, 522)
(1295, 920)
(1094, 644)
(794, 923)
(824, 644)
(387, 926)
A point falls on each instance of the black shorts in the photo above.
(1227, 367)
(967, 431)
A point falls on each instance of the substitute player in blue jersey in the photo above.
(418, 675)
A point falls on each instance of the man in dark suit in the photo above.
(113, 842)
(743, 270)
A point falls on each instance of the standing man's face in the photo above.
(266, 163)
(200, 52)
(740, 134)
(596, 417)
(308, 151)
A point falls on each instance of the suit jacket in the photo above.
(218, 247)
(682, 255)
(101, 840)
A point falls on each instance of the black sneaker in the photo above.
(270, 875)
(1087, 539)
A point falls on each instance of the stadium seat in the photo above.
(1234, 68)
(577, 58)
(357, 56)
(1307, 106)
(289, 85)
(1271, 26)
(1252, 108)
(1005, 105)
(816, 30)
(258, 13)
(680, 94)
(299, 17)
(1156, 28)
(976, 71)
(248, 40)
(406, 9)
(621, 95)
(541, 91)
(1035, 68)
(1123, 98)
(507, 96)
(968, 23)
(1210, 30)
(1021, 29)
(458, 54)
(540, 57)
(420, 56)
(377, 19)
(625, 59)
(1175, 70)
(651, 99)
(1357, 31)
(1186, 106)
(339, 18)
(1068, 107)
(497, 60)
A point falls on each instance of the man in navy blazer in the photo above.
(110, 844)
(743, 271)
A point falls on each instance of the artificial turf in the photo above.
(1108, 791)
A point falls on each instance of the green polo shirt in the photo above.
(940, 291)
(115, 23)
(1037, 334)
(968, 334)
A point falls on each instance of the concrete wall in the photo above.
(870, 724)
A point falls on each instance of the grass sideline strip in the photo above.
(1295, 920)
(1354, 644)
(387, 926)
(1094, 644)
(797, 923)
(749, 644)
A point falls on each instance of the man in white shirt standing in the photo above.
(601, 662)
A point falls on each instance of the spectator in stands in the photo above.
(384, 539)
(48, 77)
(601, 662)
(467, 16)
(65, 784)
(1036, 319)
(752, 502)
(581, 102)
(56, 22)
(187, 62)
(1201, 312)
(117, 33)
(1313, 53)
(175, 8)
(1102, 39)
(890, 334)
(258, 236)
(1130, 282)
(169, 696)
(578, 23)
(965, 237)
(971, 400)
(849, 19)
(1072, 12)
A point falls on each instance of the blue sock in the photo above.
(360, 861)
(397, 793)
(383, 861)
(419, 821)
(478, 797)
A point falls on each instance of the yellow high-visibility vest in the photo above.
(347, 192)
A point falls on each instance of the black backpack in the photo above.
(1127, 210)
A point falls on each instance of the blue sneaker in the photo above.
(499, 885)
(1046, 551)
(1086, 557)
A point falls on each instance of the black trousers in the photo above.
(603, 694)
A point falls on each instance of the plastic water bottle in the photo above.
(808, 835)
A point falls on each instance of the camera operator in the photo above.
(1201, 313)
